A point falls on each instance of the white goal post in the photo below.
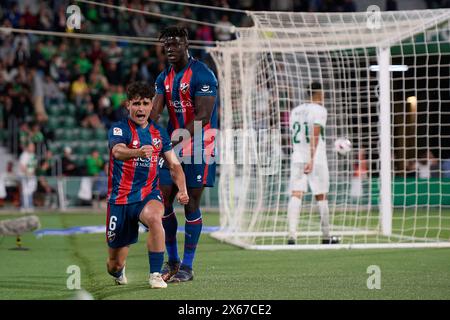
(386, 84)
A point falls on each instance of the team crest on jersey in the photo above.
(157, 143)
(117, 132)
(184, 87)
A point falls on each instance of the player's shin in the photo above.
(324, 217)
(193, 229)
(170, 225)
(294, 207)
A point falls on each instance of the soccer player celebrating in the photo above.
(188, 88)
(309, 161)
(133, 195)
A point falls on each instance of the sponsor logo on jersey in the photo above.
(117, 132)
(184, 87)
(135, 144)
(180, 106)
(167, 88)
(199, 178)
(205, 88)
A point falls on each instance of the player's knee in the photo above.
(152, 218)
(297, 194)
(191, 207)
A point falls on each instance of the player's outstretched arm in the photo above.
(177, 176)
(121, 152)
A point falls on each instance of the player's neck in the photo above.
(180, 66)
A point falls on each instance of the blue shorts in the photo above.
(197, 175)
(122, 222)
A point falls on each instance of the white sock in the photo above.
(324, 217)
(294, 207)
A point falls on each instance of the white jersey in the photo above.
(301, 123)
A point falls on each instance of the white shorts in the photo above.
(318, 179)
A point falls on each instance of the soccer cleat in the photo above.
(122, 279)
(156, 281)
(291, 241)
(169, 269)
(184, 274)
(331, 240)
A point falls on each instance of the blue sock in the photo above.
(155, 259)
(193, 228)
(170, 225)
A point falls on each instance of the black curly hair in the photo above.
(174, 31)
(140, 90)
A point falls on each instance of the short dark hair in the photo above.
(174, 31)
(314, 87)
(141, 90)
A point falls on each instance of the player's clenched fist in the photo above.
(145, 151)
(182, 197)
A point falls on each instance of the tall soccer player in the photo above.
(136, 145)
(188, 88)
(309, 161)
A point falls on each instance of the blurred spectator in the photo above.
(90, 117)
(36, 135)
(100, 189)
(133, 75)
(222, 31)
(45, 17)
(114, 53)
(69, 167)
(51, 91)
(79, 90)
(426, 164)
(113, 74)
(359, 175)
(24, 135)
(27, 170)
(96, 51)
(11, 185)
(45, 195)
(83, 63)
(118, 97)
(94, 164)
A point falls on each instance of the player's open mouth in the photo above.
(140, 116)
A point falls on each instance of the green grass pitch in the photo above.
(221, 271)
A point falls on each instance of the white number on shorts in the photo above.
(112, 223)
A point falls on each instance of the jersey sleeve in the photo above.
(118, 133)
(159, 84)
(206, 83)
(167, 143)
(320, 117)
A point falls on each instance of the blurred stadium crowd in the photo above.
(59, 96)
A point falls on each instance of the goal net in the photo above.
(385, 77)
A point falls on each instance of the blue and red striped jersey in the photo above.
(180, 89)
(132, 180)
